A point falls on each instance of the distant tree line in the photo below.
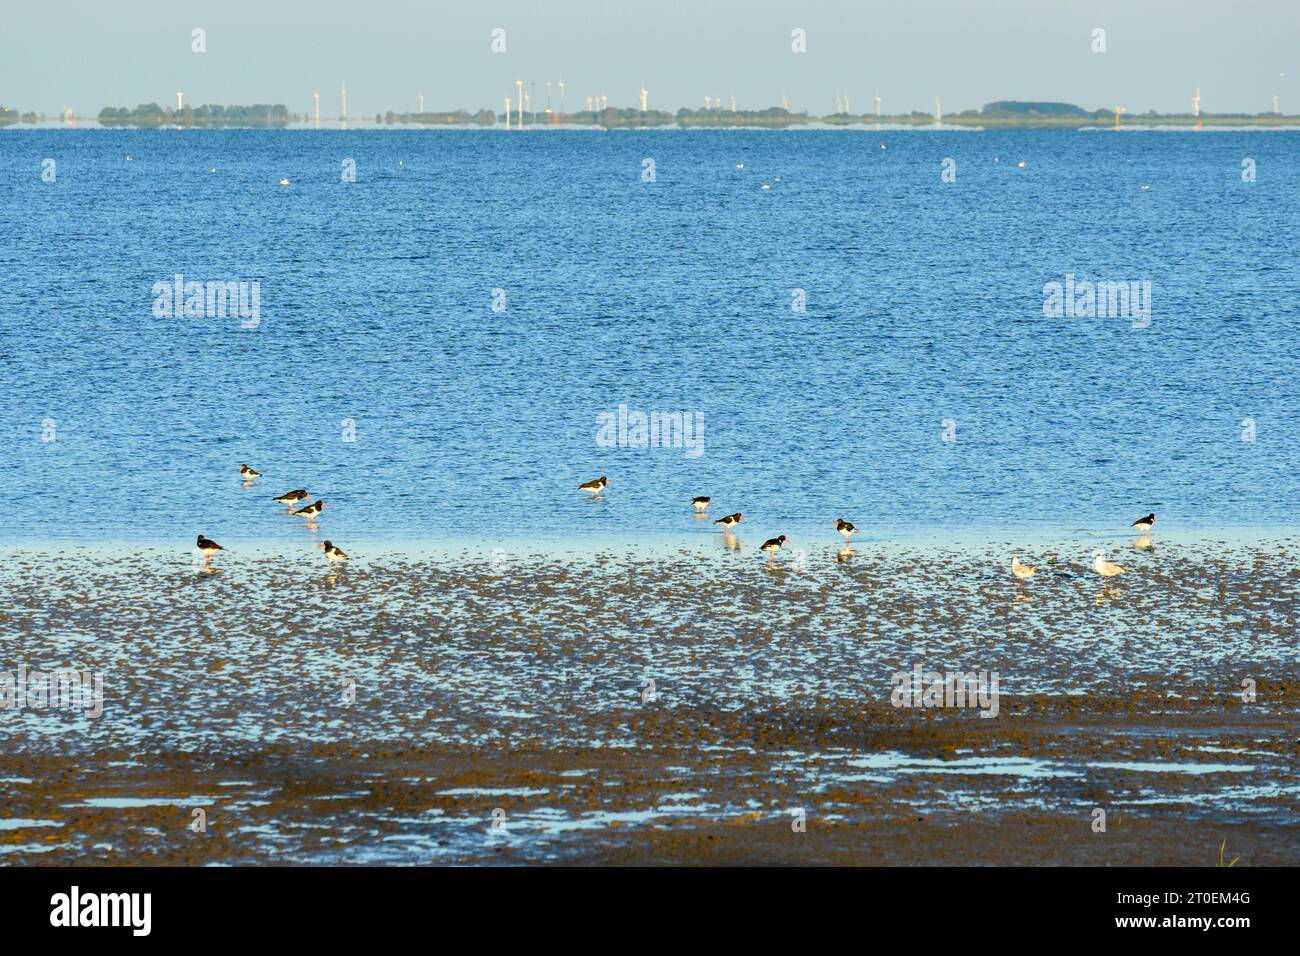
(1001, 113)
(453, 118)
(774, 117)
(208, 116)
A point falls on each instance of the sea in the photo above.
(443, 333)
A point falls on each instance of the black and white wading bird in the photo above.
(845, 528)
(207, 547)
(702, 502)
(729, 521)
(595, 486)
(248, 474)
(293, 497)
(772, 546)
(1144, 524)
(312, 510)
(333, 553)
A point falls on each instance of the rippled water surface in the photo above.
(924, 303)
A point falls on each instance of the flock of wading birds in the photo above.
(772, 545)
(207, 547)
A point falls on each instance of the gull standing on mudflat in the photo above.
(1023, 571)
(1104, 567)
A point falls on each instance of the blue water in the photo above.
(924, 303)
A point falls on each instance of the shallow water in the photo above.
(924, 303)
(263, 646)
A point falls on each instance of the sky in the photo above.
(93, 53)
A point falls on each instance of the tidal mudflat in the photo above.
(672, 705)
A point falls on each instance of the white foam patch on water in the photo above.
(129, 803)
(28, 848)
(1192, 768)
(22, 823)
(1001, 766)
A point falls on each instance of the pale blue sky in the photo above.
(93, 53)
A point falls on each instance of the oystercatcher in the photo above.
(596, 486)
(1023, 571)
(1144, 524)
(729, 520)
(701, 503)
(1104, 567)
(772, 546)
(289, 497)
(333, 553)
(844, 528)
(311, 510)
(207, 547)
(248, 473)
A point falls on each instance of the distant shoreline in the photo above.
(1286, 124)
(1003, 114)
